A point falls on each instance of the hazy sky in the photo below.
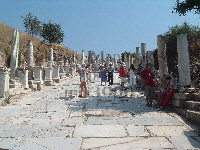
(109, 25)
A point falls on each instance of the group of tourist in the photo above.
(141, 77)
(146, 77)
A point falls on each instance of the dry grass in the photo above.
(41, 48)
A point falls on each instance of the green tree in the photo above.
(31, 24)
(52, 32)
(185, 6)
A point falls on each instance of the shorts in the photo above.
(122, 79)
(83, 79)
(149, 91)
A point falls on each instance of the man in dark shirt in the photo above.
(147, 76)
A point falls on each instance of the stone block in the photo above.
(100, 131)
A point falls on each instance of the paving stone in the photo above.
(136, 130)
(102, 121)
(183, 142)
(170, 131)
(73, 121)
(99, 131)
(94, 112)
(126, 143)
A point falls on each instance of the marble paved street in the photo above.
(109, 119)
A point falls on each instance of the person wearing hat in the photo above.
(110, 74)
(169, 95)
(83, 80)
(103, 75)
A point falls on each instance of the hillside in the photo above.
(41, 48)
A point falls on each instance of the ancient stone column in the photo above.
(162, 56)
(50, 64)
(56, 75)
(4, 81)
(183, 60)
(30, 57)
(48, 76)
(150, 58)
(125, 61)
(82, 59)
(143, 53)
(129, 61)
(102, 57)
(14, 53)
(138, 55)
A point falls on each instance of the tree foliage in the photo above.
(193, 33)
(52, 32)
(127, 54)
(31, 24)
(183, 7)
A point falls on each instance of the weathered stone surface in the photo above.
(143, 53)
(102, 121)
(183, 60)
(14, 53)
(170, 131)
(162, 56)
(99, 131)
(137, 130)
(182, 142)
(126, 143)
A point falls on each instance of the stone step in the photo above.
(193, 105)
(191, 115)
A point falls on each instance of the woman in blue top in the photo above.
(173, 88)
(103, 75)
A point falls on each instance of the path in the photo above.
(55, 119)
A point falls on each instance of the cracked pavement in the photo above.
(55, 118)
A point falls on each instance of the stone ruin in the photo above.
(16, 80)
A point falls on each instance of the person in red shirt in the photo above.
(147, 76)
(122, 74)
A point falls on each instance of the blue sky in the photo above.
(112, 26)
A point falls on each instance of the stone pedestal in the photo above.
(67, 69)
(183, 60)
(61, 64)
(22, 74)
(14, 53)
(56, 75)
(37, 73)
(162, 56)
(4, 81)
(143, 53)
(48, 76)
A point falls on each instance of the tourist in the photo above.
(83, 79)
(133, 76)
(110, 74)
(164, 87)
(169, 95)
(147, 77)
(140, 83)
(103, 74)
(122, 73)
